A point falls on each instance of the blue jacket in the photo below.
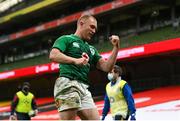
(129, 99)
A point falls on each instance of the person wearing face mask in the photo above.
(23, 106)
(118, 97)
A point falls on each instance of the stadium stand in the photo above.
(26, 39)
(128, 41)
(148, 24)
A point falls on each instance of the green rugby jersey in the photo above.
(72, 45)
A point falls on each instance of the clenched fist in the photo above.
(115, 40)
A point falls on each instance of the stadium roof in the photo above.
(27, 10)
(68, 19)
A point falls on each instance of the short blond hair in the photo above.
(85, 17)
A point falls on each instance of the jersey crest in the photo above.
(92, 50)
(75, 44)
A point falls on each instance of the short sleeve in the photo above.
(96, 55)
(61, 43)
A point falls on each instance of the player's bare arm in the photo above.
(57, 56)
(107, 65)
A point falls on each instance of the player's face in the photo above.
(89, 28)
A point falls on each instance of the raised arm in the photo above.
(107, 65)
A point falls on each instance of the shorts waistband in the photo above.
(71, 79)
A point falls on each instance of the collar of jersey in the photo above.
(117, 81)
(75, 36)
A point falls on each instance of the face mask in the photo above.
(25, 89)
(110, 76)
